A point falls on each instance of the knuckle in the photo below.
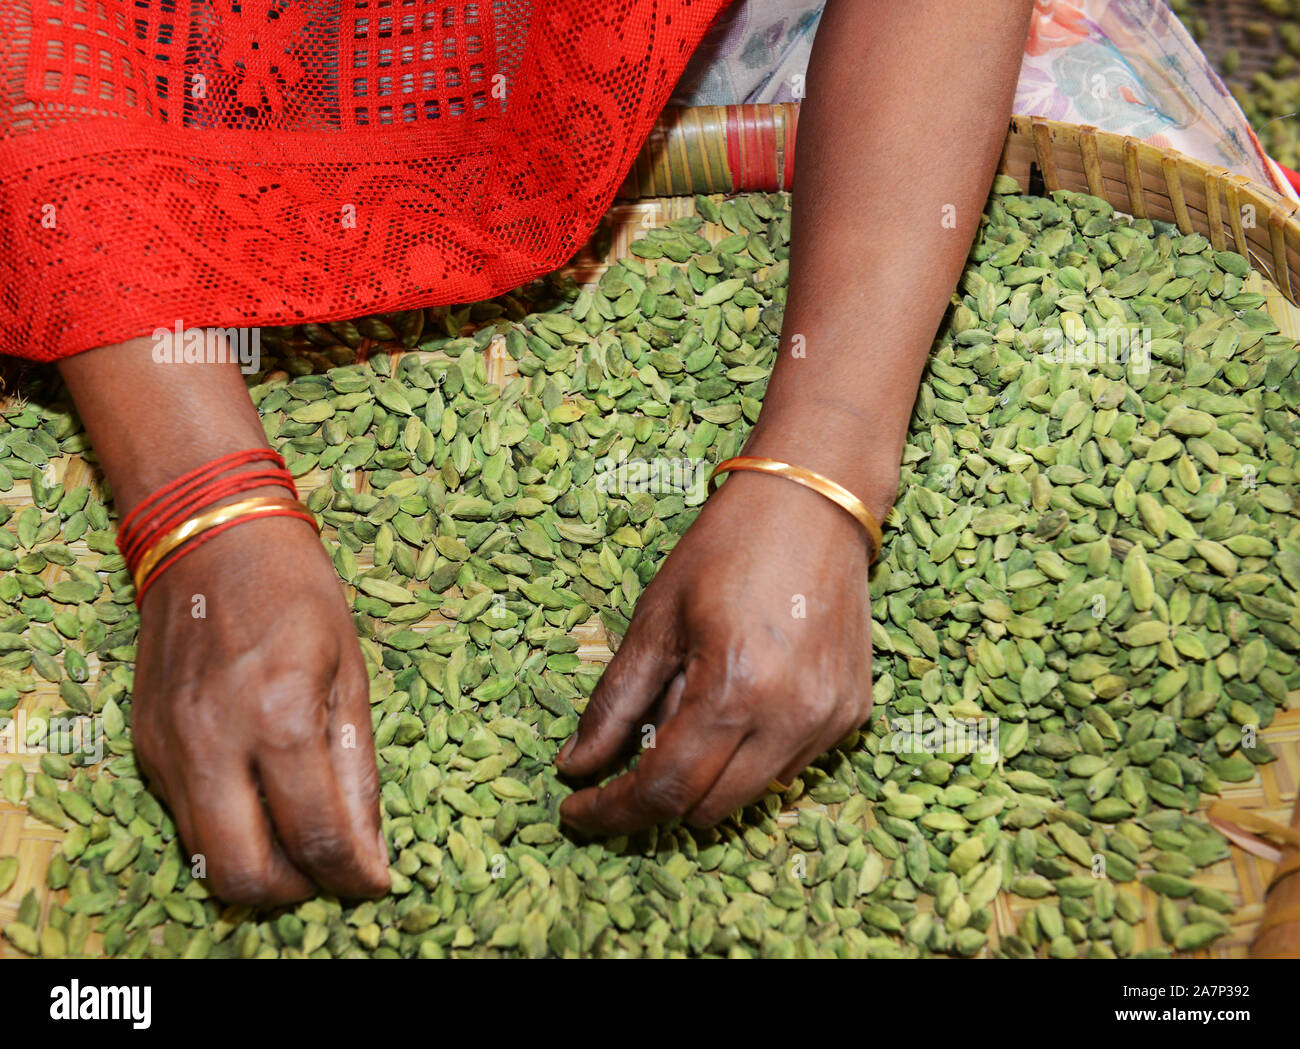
(191, 726)
(758, 670)
(354, 682)
(667, 797)
(191, 739)
(847, 719)
(732, 712)
(855, 708)
(824, 710)
(148, 754)
(145, 725)
(374, 885)
(290, 712)
(321, 847)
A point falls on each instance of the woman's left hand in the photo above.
(749, 655)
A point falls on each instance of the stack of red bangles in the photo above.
(181, 516)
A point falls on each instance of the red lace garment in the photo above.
(246, 162)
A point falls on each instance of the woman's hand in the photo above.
(253, 722)
(751, 691)
(750, 652)
(250, 711)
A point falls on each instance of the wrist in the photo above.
(747, 497)
(835, 447)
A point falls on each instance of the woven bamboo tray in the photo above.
(710, 150)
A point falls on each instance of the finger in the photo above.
(668, 783)
(165, 783)
(229, 829)
(170, 789)
(312, 819)
(266, 882)
(643, 665)
(792, 768)
(745, 779)
(812, 751)
(690, 752)
(352, 749)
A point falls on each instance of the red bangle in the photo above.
(171, 546)
(182, 515)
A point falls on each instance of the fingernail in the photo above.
(383, 849)
(567, 749)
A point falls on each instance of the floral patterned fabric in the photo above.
(1125, 66)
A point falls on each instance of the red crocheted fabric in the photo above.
(245, 162)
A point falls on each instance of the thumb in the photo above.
(643, 665)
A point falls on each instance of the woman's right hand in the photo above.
(251, 717)
(249, 681)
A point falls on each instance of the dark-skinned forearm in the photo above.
(906, 112)
(150, 422)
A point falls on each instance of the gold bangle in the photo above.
(258, 506)
(836, 493)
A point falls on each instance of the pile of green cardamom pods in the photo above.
(1269, 97)
(1093, 561)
